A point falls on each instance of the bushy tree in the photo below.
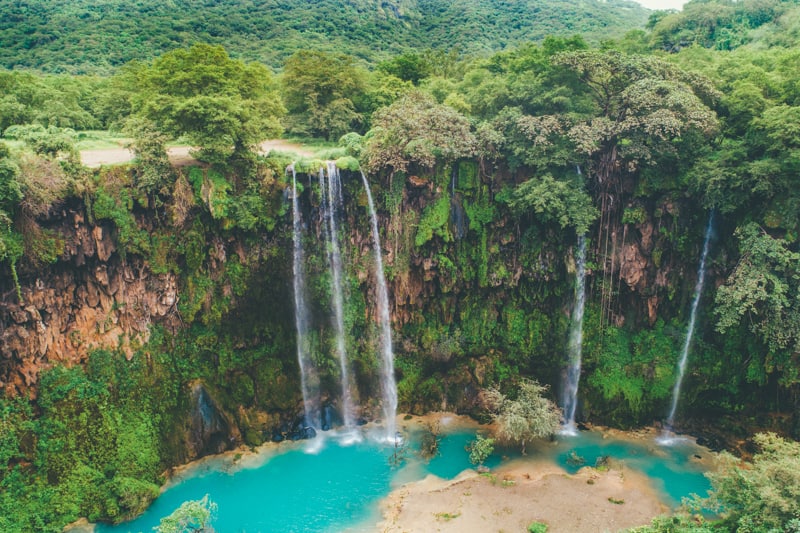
(321, 91)
(191, 517)
(480, 449)
(526, 416)
(417, 130)
(551, 200)
(762, 496)
(763, 294)
(222, 105)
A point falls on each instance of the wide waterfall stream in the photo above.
(326, 485)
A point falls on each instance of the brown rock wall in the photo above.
(91, 298)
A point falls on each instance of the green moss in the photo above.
(467, 175)
(434, 222)
(348, 163)
(117, 207)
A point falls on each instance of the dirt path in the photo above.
(178, 155)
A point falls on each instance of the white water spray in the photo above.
(388, 385)
(330, 206)
(698, 289)
(575, 345)
(308, 378)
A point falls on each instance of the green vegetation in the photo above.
(82, 36)
(195, 515)
(527, 416)
(485, 166)
(93, 448)
(480, 449)
(761, 496)
(537, 527)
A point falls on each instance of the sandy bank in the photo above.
(521, 492)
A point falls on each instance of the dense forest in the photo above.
(85, 37)
(130, 291)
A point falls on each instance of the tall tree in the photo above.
(321, 91)
(222, 105)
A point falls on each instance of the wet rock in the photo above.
(210, 430)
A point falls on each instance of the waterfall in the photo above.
(575, 344)
(308, 378)
(388, 385)
(698, 289)
(330, 207)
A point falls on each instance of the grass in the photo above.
(312, 143)
(100, 140)
(446, 516)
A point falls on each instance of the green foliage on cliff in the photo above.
(91, 446)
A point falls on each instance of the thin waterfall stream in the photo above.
(308, 379)
(388, 385)
(698, 290)
(575, 343)
(330, 207)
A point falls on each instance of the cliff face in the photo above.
(477, 294)
(90, 298)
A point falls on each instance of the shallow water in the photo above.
(329, 486)
(674, 470)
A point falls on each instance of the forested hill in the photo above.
(89, 36)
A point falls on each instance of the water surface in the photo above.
(333, 485)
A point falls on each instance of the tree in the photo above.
(192, 516)
(555, 201)
(480, 449)
(762, 496)
(410, 66)
(528, 416)
(154, 174)
(416, 129)
(763, 293)
(320, 91)
(222, 105)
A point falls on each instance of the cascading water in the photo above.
(698, 289)
(388, 385)
(308, 377)
(575, 345)
(330, 206)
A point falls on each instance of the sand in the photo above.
(512, 497)
(519, 493)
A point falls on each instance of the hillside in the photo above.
(88, 37)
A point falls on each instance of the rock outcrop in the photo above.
(90, 298)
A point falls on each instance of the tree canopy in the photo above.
(224, 106)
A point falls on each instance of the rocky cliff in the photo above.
(91, 297)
